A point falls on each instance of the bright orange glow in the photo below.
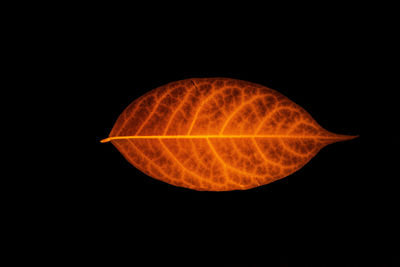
(218, 134)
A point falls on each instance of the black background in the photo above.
(338, 210)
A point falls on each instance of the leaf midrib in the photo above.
(344, 137)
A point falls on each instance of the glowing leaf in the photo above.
(218, 134)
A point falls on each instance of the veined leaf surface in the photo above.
(218, 134)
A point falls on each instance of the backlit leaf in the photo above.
(218, 134)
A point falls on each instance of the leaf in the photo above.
(218, 134)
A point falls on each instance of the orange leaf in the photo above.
(218, 134)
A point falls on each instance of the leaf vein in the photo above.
(150, 160)
(226, 164)
(201, 106)
(237, 110)
(177, 161)
(176, 110)
(155, 107)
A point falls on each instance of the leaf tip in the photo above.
(350, 137)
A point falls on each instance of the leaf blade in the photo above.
(218, 134)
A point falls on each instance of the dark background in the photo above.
(338, 210)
